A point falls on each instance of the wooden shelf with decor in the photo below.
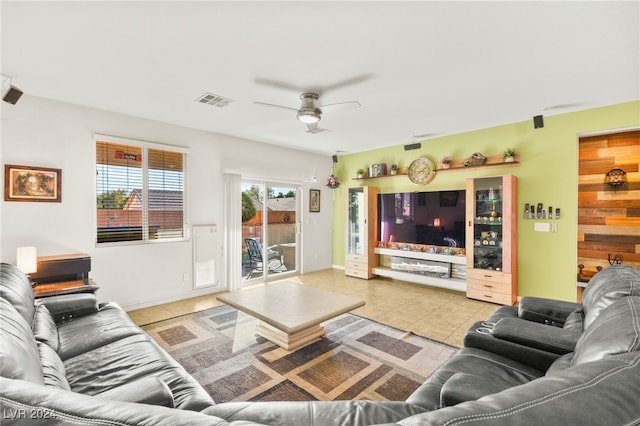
(493, 161)
(402, 171)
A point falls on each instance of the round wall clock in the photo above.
(421, 171)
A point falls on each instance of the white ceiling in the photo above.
(417, 68)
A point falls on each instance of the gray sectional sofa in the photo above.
(70, 360)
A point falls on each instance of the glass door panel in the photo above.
(356, 219)
(487, 224)
(269, 230)
(281, 222)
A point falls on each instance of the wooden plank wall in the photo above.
(608, 219)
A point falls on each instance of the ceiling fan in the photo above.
(309, 113)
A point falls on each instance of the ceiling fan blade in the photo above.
(348, 82)
(278, 84)
(342, 106)
(275, 106)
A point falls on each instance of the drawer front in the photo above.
(490, 286)
(488, 296)
(356, 258)
(362, 266)
(488, 275)
(357, 273)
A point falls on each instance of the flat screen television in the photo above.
(434, 218)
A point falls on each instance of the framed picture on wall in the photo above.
(26, 183)
(314, 200)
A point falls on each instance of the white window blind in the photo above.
(140, 192)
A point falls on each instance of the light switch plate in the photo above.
(541, 227)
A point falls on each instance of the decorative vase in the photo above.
(509, 159)
(446, 165)
(393, 172)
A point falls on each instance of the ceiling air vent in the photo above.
(215, 100)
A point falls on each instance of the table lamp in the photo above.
(27, 259)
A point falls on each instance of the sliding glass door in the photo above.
(270, 212)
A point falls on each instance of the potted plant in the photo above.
(394, 169)
(360, 173)
(446, 162)
(509, 155)
(333, 182)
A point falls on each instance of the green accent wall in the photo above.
(547, 262)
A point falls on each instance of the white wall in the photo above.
(40, 132)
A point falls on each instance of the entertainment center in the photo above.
(463, 240)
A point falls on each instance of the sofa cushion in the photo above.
(52, 367)
(19, 357)
(133, 358)
(469, 387)
(150, 390)
(16, 289)
(607, 286)
(44, 328)
(84, 334)
(614, 331)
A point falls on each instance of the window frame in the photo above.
(145, 146)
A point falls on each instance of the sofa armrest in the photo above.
(546, 311)
(68, 306)
(23, 401)
(549, 339)
(479, 336)
(595, 393)
(150, 390)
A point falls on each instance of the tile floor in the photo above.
(432, 312)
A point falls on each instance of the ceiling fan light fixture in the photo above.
(309, 116)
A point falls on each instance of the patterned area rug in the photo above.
(357, 359)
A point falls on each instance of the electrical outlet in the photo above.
(554, 227)
(185, 276)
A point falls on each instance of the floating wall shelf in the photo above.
(493, 161)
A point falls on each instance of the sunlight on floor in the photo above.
(439, 314)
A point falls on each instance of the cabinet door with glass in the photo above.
(491, 239)
(360, 229)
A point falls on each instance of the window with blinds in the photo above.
(140, 191)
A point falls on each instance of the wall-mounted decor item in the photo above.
(615, 178)
(476, 159)
(333, 182)
(25, 183)
(422, 171)
(314, 200)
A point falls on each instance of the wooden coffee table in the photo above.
(290, 314)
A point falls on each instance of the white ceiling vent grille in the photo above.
(215, 100)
